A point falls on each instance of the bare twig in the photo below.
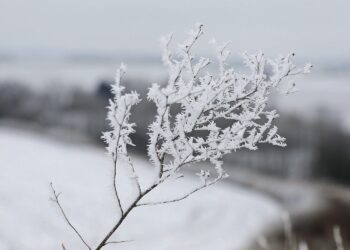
(122, 218)
(172, 200)
(115, 156)
(117, 242)
(56, 200)
(204, 185)
(115, 186)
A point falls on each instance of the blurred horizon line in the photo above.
(341, 64)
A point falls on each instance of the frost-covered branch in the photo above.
(117, 139)
(196, 133)
(200, 117)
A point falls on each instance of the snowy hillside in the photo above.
(221, 217)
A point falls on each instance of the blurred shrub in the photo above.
(332, 151)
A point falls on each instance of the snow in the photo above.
(220, 217)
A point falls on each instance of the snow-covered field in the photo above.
(221, 217)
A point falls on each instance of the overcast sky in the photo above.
(316, 28)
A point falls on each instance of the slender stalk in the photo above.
(56, 200)
(123, 217)
(115, 186)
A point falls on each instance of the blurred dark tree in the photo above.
(332, 151)
(104, 89)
